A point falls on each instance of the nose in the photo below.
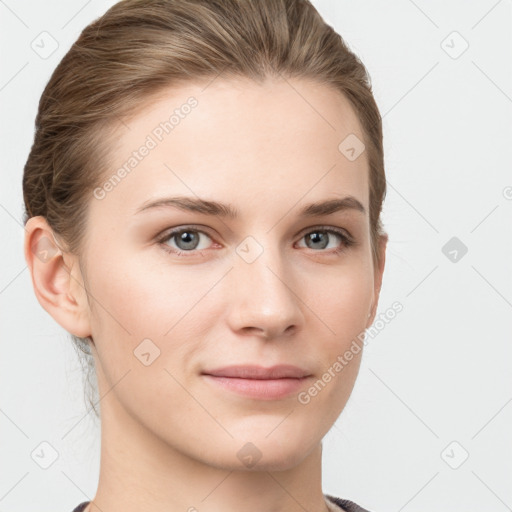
(265, 297)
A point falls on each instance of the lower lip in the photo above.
(262, 389)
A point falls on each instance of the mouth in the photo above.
(257, 382)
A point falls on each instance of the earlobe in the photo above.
(52, 278)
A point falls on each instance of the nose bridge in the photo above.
(263, 296)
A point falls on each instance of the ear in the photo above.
(58, 283)
(378, 273)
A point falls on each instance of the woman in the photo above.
(189, 155)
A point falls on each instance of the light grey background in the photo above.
(439, 373)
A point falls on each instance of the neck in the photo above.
(139, 471)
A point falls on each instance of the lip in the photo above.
(257, 382)
(250, 371)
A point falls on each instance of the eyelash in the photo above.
(347, 242)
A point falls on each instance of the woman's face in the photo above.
(271, 285)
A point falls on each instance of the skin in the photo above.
(169, 438)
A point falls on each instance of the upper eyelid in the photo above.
(170, 232)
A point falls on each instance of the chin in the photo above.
(261, 453)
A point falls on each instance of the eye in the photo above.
(186, 239)
(189, 241)
(320, 238)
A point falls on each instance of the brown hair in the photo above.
(140, 47)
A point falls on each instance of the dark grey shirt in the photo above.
(347, 505)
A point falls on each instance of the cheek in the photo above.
(342, 303)
(144, 338)
(141, 310)
(145, 300)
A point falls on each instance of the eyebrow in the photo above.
(194, 204)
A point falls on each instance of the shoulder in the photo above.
(346, 505)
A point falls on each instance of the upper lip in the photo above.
(281, 371)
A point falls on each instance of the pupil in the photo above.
(183, 238)
(317, 237)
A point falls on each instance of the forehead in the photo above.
(236, 141)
